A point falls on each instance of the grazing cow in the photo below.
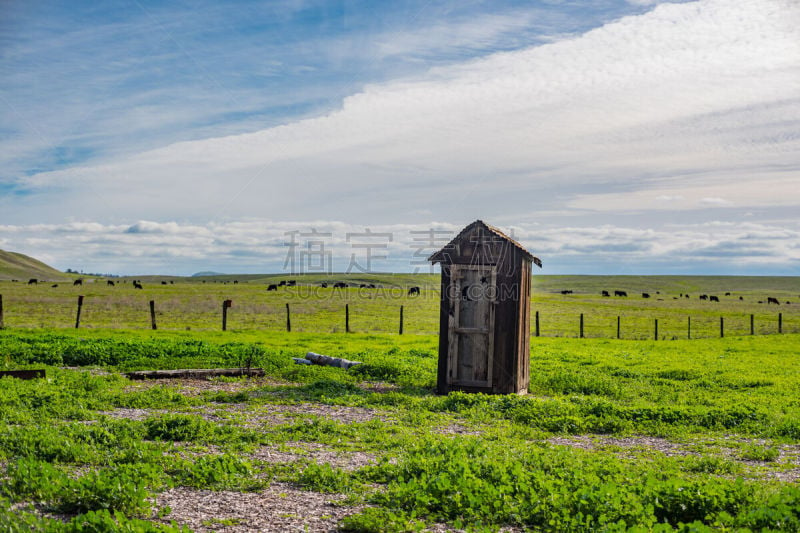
(771, 300)
(658, 292)
(605, 293)
(713, 298)
(163, 282)
(236, 282)
(272, 287)
(291, 283)
(646, 295)
(282, 283)
(620, 293)
(704, 296)
(566, 292)
(54, 285)
(727, 294)
(33, 281)
(323, 285)
(687, 296)
(171, 282)
(340, 285)
(109, 283)
(77, 282)
(137, 285)
(371, 286)
(741, 298)
(363, 286)
(413, 290)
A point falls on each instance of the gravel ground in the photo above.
(279, 508)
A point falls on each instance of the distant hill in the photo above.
(23, 267)
(207, 273)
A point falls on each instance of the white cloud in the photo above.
(682, 92)
(757, 191)
(262, 245)
(689, 107)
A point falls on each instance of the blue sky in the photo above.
(608, 136)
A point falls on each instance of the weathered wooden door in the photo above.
(471, 325)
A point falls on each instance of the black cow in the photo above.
(704, 296)
(566, 292)
(413, 290)
(605, 293)
(236, 282)
(33, 281)
(645, 295)
(713, 298)
(323, 285)
(771, 300)
(291, 283)
(687, 295)
(620, 293)
(109, 283)
(282, 283)
(363, 286)
(53, 286)
(727, 294)
(340, 285)
(163, 282)
(137, 285)
(77, 282)
(741, 298)
(272, 287)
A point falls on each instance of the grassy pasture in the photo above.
(700, 435)
(196, 303)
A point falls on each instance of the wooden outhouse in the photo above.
(484, 318)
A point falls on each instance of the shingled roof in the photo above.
(439, 256)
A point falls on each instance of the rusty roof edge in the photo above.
(435, 257)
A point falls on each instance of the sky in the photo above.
(607, 136)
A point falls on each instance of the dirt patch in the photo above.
(318, 453)
(196, 387)
(592, 442)
(280, 508)
(258, 416)
(457, 429)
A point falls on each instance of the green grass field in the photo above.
(614, 435)
(188, 303)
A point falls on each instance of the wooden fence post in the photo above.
(78, 317)
(780, 322)
(288, 319)
(347, 318)
(656, 330)
(153, 314)
(1, 312)
(401, 320)
(752, 325)
(689, 328)
(225, 305)
(618, 329)
(537, 323)
(581, 332)
(721, 327)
